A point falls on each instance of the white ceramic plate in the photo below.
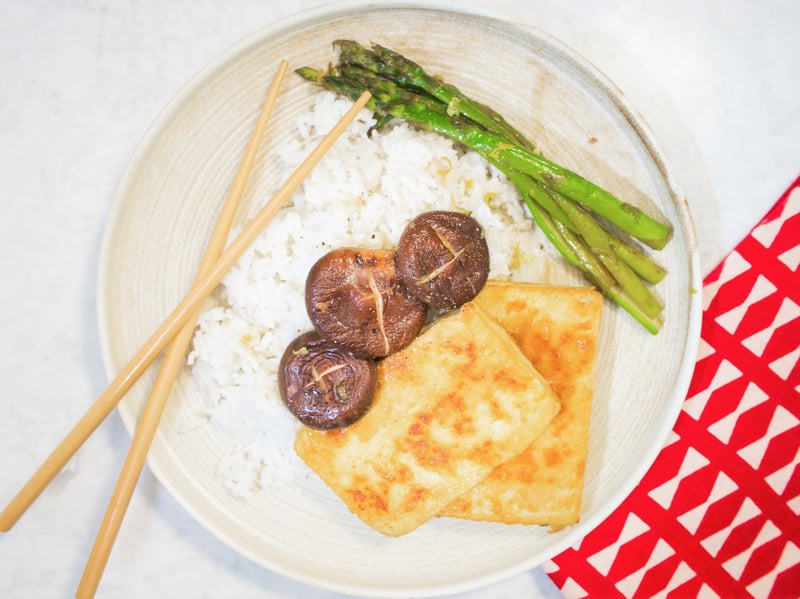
(165, 209)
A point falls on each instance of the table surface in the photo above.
(81, 82)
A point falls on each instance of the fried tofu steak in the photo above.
(557, 329)
(460, 400)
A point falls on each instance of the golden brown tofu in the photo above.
(458, 401)
(557, 329)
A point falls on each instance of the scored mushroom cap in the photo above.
(356, 300)
(443, 258)
(324, 386)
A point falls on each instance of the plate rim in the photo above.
(672, 406)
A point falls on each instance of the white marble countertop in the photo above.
(80, 83)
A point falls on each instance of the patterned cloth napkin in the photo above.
(718, 514)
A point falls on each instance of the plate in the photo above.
(178, 178)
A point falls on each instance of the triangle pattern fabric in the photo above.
(718, 513)
(730, 320)
(788, 313)
(734, 266)
(791, 258)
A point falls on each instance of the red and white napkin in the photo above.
(718, 514)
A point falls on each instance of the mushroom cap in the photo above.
(443, 258)
(324, 386)
(355, 299)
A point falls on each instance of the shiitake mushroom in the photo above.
(324, 386)
(443, 258)
(356, 300)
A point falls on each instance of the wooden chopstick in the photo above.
(169, 328)
(171, 364)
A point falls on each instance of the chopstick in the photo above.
(171, 363)
(169, 327)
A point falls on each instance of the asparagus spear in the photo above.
(633, 257)
(577, 252)
(402, 104)
(402, 90)
(573, 232)
(408, 74)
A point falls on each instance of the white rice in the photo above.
(363, 193)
